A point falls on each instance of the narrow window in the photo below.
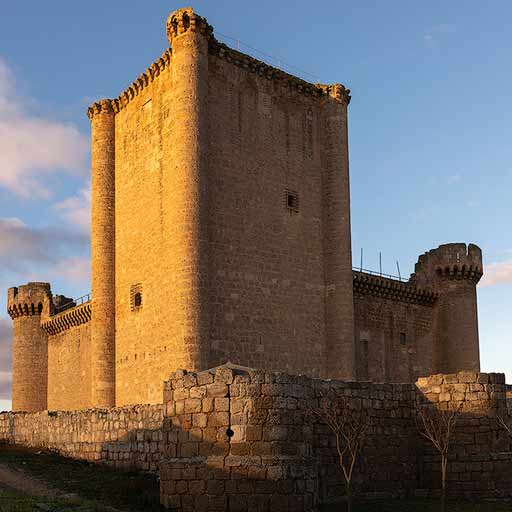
(136, 296)
(403, 339)
(292, 201)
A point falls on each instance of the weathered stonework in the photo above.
(236, 439)
(126, 437)
(221, 232)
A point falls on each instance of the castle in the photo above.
(221, 232)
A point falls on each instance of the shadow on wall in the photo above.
(125, 438)
(236, 439)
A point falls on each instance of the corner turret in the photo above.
(25, 305)
(453, 271)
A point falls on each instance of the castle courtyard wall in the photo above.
(395, 329)
(231, 437)
(125, 437)
(69, 369)
(236, 438)
(69, 358)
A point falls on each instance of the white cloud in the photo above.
(497, 273)
(23, 248)
(77, 269)
(77, 209)
(32, 147)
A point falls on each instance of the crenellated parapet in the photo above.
(28, 300)
(337, 91)
(450, 261)
(133, 90)
(382, 287)
(104, 106)
(69, 318)
(186, 20)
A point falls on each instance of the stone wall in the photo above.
(235, 437)
(481, 448)
(232, 438)
(394, 327)
(69, 368)
(126, 437)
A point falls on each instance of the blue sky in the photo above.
(430, 127)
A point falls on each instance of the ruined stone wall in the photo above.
(127, 437)
(481, 449)
(395, 329)
(231, 437)
(235, 437)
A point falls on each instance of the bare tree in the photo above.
(505, 424)
(350, 427)
(437, 426)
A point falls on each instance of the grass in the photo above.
(101, 489)
(422, 505)
(11, 501)
(129, 491)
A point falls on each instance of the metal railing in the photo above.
(73, 303)
(380, 274)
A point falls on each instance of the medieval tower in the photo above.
(221, 232)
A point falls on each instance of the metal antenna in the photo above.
(398, 268)
(380, 263)
(361, 267)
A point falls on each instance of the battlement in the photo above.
(378, 286)
(68, 318)
(28, 300)
(450, 261)
(186, 20)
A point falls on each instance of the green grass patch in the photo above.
(130, 491)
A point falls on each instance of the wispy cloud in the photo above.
(77, 209)
(77, 269)
(497, 273)
(32, 147)
(433, 35)
(23, 247)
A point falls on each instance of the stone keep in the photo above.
(221, 232)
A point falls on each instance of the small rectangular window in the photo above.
(136, 296)
(292, 201)
(403, 339)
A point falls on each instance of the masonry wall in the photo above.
(237, 438)
(69, 369)
(217, 256)
(128, 437)
(266, 259)
(395, 331)
(232, 438)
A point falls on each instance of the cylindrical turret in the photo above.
(188, 35)
(102, 118)
(453, 271)
(339, 306)
(25, 306)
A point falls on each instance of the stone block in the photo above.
(224, 375)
